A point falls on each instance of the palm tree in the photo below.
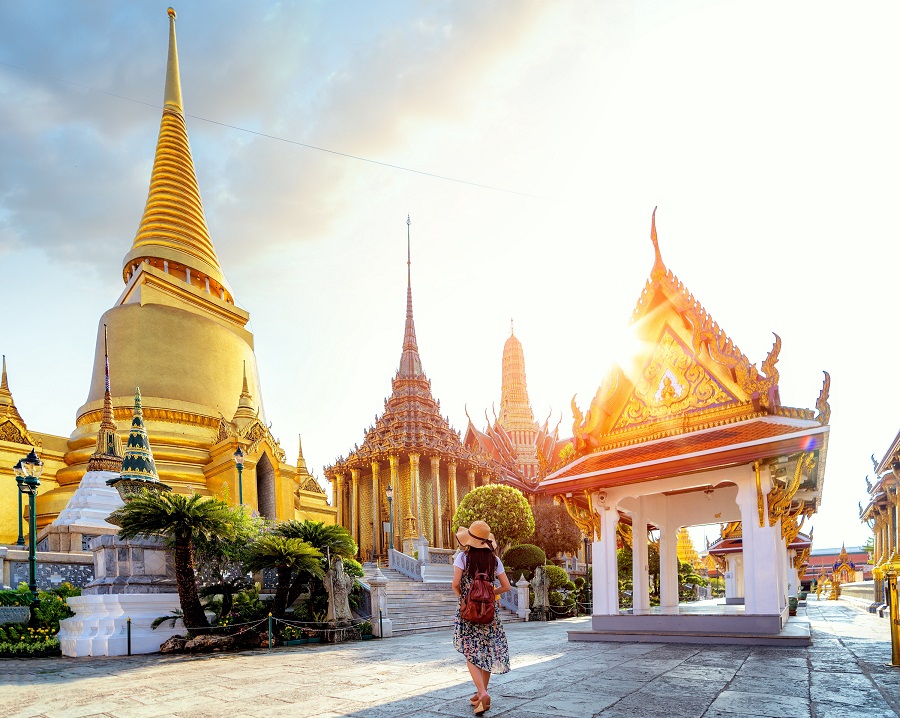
(330, 540)
(180, 520)
(292, 559)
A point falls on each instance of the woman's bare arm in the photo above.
(504, 584)
(457, 577)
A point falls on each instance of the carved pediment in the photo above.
(672, 383)
(12, 431)
(310, 484)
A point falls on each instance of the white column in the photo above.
(605, 567)
(640, 560)
(791, 573)
(761, 549)
(731, 576)
(668, 566)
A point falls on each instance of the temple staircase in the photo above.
(415, 606)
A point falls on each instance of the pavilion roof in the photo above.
(687, 400)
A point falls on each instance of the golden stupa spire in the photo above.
(108, 453)
(245, 408)
(173, 233)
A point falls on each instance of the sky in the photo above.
(529, 143)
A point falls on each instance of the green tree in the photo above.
(292, 558)
(180, 520)
(331, 541)
(219, 559)
(554, 530)
(505, 510)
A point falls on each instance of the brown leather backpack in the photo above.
(477, 606)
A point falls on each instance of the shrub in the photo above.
(524, 557)
(558, 576)
(504, 508)
(354, 568)
(579, 582)
(570, 586)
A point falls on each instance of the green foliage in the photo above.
(523, 558)
(579, 582)
(365, 628)
(504, 508)
(172, 516)
(557, 576)
(330, 540)
(39, 636)
(570, 586)
(19, 597)
(554, 530)
(354, 568)
(271, 551)
(247, 606)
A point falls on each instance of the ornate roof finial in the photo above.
(173, 77)
(108, 453)
(245, 408)
(512, 332)
(410, 362)
(659, 268)
(7, 404)
(301, 461)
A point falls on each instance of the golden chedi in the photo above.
(176, 332)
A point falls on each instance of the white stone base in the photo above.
(99, 626)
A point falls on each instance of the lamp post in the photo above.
(19, 471)
(239, 460)
(31, 467)
(389, 492)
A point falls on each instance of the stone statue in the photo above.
(338, 585)
(541, 583)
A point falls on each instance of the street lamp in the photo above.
(19, 471)
(389, 492)
(30, 468)
(239, 460)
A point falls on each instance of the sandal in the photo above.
(482, 706)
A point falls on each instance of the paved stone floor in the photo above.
(842, 674)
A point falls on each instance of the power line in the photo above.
(265, 135)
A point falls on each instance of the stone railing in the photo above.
(407, 565)
(442, 556)
(52, 568)
(862, 593)
(510, 600)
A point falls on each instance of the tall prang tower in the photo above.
(516, 415)
(176, 332)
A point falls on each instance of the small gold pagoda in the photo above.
(176, 332)
(415, 451)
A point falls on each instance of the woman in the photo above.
(483, 644)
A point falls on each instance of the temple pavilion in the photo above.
(177, 332)
(882, 515)
(415, 451)
(690, 432)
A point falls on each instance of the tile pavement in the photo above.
(842, 675)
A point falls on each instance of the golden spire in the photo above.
(108, 453)
(301, 461)
(410, 362)
(7, 405)
(173, 77)
(173, 228)
(245, 408)
(659, 268)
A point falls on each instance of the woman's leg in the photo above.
(486, 676)
(477, 678)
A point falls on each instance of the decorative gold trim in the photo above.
(780, 498)
(759, 496)
(588, 520)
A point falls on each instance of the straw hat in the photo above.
(478, 535)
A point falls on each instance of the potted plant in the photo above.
(792, 605)
(365, 630)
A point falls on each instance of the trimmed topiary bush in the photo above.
(523, 558)
(558, 577)
(504, 508)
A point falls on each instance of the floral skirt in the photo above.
(483, 644)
